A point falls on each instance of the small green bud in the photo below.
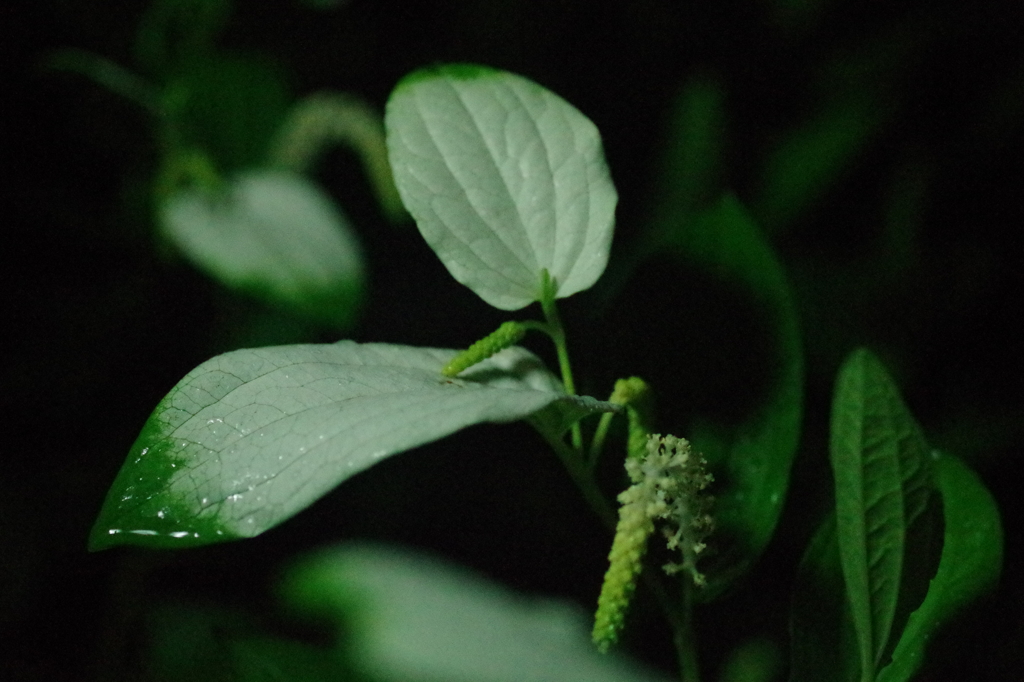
(508, 334)
(638, 398)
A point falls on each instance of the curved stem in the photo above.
(557, 333)
(597, 443)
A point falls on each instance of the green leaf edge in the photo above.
(462, 71)
(750, 511)
(970, 565)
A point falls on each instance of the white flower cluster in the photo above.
(668, 484)
(674, 478)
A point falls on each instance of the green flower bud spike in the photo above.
(508, 334)
(668, 484)
(636, 395)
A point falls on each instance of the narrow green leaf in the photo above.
(807, 162)
(883, 480)
(504, 178)
(689, 177)
(412, 617)
(752, 462)
(252, 437)
(972, 557)
(275, 235)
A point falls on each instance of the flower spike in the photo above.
(668, 485)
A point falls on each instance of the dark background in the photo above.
(101, 320)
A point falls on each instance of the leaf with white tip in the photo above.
(504, 178)
(250, 438)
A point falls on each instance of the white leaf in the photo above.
(251, 437)
(274, 234)
(504, 178)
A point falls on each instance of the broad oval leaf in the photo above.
(251, 437)
(273, 234)
(504, 178)
(407, 616)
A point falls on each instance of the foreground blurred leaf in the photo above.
(275, 235)
(416, 619)
(883, 480)
(252, 437)
(504, 178)
(752, 462)
(205, 643)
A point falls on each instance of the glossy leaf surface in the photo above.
(251, 437)
(412, 617)
(504, 178)
(275, 235)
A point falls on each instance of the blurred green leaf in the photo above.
(270, 659)
(691, 163)
(504, 178)
(972, 557)
(206, 643)
(755, 660)
(228, 106)
(752, 463)
(858, 90)
(275, 235)
(173, 32)
(824, 645)
(808, 161)
(250, 438)
(408, 617)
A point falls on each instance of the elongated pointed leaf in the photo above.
(251, 437)
(413, 617)
(504, 179)
(276, 235)
(883, 481)
(972, 557)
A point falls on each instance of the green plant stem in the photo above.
(686, 645)
(557, 334)
(110, 75)
(597, 444)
